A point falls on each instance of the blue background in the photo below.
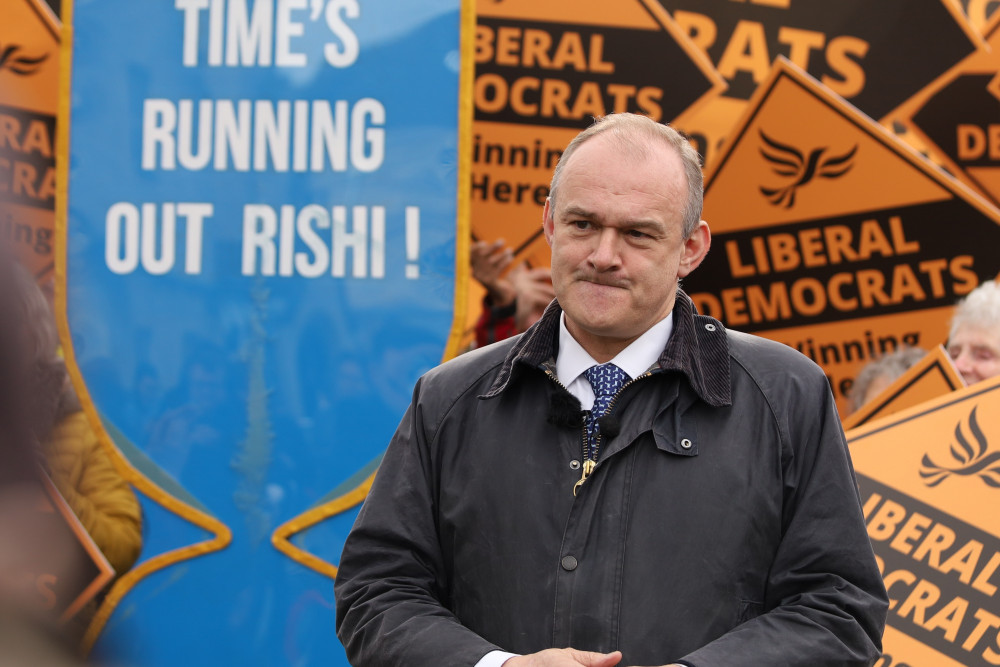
(257, 396)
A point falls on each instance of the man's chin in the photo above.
(605, 327)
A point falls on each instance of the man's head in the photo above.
(636, 133)
(623, 222)
(974, 341)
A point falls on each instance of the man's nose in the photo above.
(606, 255)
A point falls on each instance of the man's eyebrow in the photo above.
(572, 211)
(577, 212)
(644, 224)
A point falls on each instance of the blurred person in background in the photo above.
(974, 340)
(879, 373)
(79, 467)
(30, 635)
(515, 297)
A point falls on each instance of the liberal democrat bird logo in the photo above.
(12, 58)
(971, 458)
(790, 162)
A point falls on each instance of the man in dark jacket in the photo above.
(627, 478)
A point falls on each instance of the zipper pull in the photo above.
(588, 467)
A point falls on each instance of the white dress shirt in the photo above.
(571, 362)
(635, 359)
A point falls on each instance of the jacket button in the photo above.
(574, 464)
(709, 327)
(685, 443)
(569, 563)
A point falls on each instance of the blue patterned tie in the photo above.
(606, 380)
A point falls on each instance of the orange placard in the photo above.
(29, 93)
(544, 70)
(932, 376)
(957, 117)
(929, 479)
(833, 236)
(874, 54)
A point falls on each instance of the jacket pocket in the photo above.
(679, 445)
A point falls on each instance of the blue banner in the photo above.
(259, 261)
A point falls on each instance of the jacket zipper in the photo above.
(589, 464)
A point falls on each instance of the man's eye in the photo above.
(581, 224)
(636, 234)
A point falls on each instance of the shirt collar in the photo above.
(698, 348)
(636, 359)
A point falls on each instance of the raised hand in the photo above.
(489, 261)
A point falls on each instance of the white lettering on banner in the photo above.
(146, 235)
(344, 53)
(247, 33)
(263, 134)
(314, 241)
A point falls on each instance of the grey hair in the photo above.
(632, 132)
(890, 366)
(979, 309)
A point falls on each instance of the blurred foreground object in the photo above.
(33, 549)
(80, 469)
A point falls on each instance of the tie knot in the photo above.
(606, 379)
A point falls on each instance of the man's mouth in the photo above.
(604, 282)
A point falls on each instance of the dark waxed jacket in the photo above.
(721, 526)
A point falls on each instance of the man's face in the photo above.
(976, 353)
(616, 234)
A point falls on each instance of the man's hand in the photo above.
(565, 657)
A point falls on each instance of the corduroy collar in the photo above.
(698, 349)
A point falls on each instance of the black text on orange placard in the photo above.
(968, 132)
(862, 265)
(963, 121)
(535, 158)
(563, 75)
(942, 574)
(856, 49)
(27, 159)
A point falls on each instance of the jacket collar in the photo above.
(698, 349)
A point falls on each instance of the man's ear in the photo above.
(695, 248)
(548, 224)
